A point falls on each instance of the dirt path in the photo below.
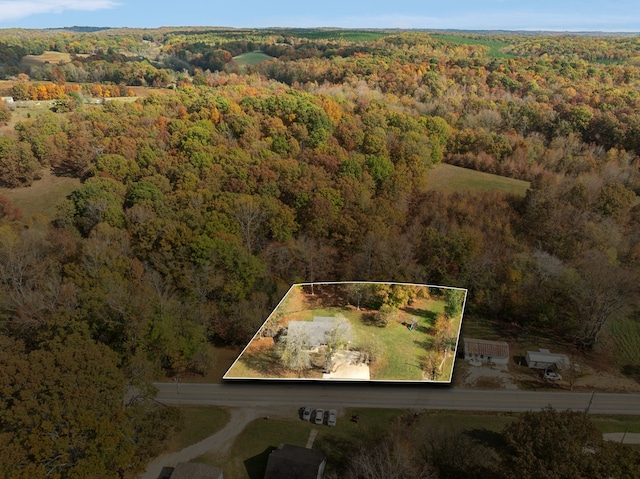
(219, 442)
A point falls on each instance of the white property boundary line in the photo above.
(316, 283)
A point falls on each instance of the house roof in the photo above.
(545, 356)
(192, 470)
(294, 462)
(315, 330)
(484, 347)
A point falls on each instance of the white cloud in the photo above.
(15, 9)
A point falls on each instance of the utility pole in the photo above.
(586, 411)
(177, 380)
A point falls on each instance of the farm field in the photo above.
(341, 337)
(29, 61)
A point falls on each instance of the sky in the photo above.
(551, 15)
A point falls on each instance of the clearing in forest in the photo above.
(357, 331)
(251, 59)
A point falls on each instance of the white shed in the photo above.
(544, 359)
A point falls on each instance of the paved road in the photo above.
(391, 396)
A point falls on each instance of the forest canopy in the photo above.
(204, 197)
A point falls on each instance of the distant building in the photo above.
(295, 462)
(7, 99)
(486, 351)
(191, 470)
(544, 359)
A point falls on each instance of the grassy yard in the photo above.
(402, 350)
(200, 422)
(249, 453)
(449, 179)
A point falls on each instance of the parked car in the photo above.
(332, 417)
(319, 416)
(306, 413)
(552, 376)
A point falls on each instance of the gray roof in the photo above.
(315, 330)
(294, 462)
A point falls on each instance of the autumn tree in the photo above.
(550, 444)
(63, 413)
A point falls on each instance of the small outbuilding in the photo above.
(7, 99)
(295, 462)
(544, 359)
(485, 351)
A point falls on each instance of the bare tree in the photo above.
(250, 217)
(295, 353)
(336, 338)
(601, 291)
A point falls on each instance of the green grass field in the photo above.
(449, 179)
(251, 59)
(626, 336)
(200, 422)
(495, 47)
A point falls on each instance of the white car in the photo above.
(319, 416)
(332, 417)
(551, 376)
(306, 413)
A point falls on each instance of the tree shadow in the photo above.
(426, 342)
(266, 362)
(486, 437)
(256, 466)
(369, 319)
(632, 371)
(326, 296)
(423, 313)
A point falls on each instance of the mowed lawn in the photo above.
(450, 179)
